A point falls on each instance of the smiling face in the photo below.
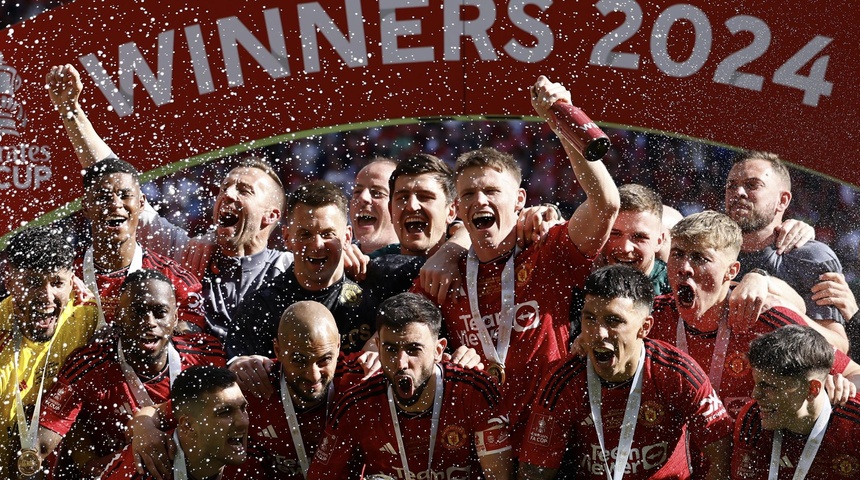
(755, 195)
(634, 240)
(488, 202)
(368, 206)
(421, 213)
(612, 333)
(147, 318)
(317, 237)
(308, 362)
(408, 357)
(38, 299)
(782, 400)
(113, 207)
(246, 210)
(700, 277)
(221, 427)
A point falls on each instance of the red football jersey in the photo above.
(271, 453)
(838, 456)
(361, 428)
(189, 300)
(677, 399)
(124, 467)
(737, 382)
(546, 274)
(91, 388)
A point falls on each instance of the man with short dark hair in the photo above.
(212, 428)
(112, 202)
(40, 326)
(644, 396)
(104, 384)
(317, 233)
(423, 418)
(421, 210)
(790, 429)
(247, 210)
(758, 191)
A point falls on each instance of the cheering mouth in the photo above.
(415, 224)
(685, 296)
(483, 220)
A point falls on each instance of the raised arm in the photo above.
(64, 87)
(592, 221)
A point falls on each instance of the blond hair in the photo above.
(710, 229)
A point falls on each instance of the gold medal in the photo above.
(497, 370)
(29, 463)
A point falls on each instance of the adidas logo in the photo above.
(268, 432)
(587, 422)
(785, 462)
(388, 448)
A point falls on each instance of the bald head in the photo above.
(308, 346)
(306, 324)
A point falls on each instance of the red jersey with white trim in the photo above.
(737, 382)
(546, 274)
(677, 400)
(361, 428)
(838, 456)
(189, 300)
(271, 453)
(91, 388)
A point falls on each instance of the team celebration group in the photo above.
(428, 326)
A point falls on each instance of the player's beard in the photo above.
(756, 219)
(310, 398)
(417, 391)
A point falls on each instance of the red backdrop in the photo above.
(164, 83)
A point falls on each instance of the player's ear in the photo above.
(440, 348)
(185, 423)
(277, 349)
(521, 199)
(732, 271)
(646, 326)
(815, 386)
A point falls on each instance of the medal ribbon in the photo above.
(27, 431)
(434, 423)
(90, 276)
(718, 358)
(180, 470)
(631, 413)
(810, 449)
(174, 365)
(293, 422)
(499, 352)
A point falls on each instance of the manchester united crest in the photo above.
(523, 273)
(454, 437)
(651, 413)
(737, 365)
(846, 466)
